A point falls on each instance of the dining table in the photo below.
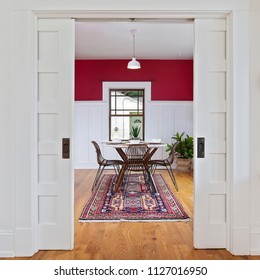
(121, 147)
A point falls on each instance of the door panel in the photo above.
(210, 122)
(55, 122)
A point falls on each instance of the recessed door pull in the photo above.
(65, 148)
(201, 147)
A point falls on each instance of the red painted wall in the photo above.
(171, 79)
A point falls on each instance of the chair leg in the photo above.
(125, 182)
(169, 169)
(116, 168)
(148, 173)
(146, 179)
(99, 172)
(120, 178)
(153, 168)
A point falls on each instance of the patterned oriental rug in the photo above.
(137, 204)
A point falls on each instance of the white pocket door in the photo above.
(55, 126)
(210, 125)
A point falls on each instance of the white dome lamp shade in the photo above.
(133, 64)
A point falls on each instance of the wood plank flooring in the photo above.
(134, 241)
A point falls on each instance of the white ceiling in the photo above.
(154, 40)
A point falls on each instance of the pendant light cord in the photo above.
(134, 45)
(133, 64)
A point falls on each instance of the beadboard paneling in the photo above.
(162, 120)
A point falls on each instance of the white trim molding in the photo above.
(121, 85)
(24, 84)
(7, 243)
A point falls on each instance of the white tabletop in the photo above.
(125, 144)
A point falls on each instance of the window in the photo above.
(126, 112)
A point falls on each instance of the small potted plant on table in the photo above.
(134, 133)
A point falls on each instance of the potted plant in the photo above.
(184, 151)
(134, 132)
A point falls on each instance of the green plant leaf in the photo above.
(185, 145)
(135, 130)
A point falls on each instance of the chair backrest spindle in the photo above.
(136, 156)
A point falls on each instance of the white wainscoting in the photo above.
(162, 120)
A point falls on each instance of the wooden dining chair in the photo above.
(167, 163)
(137, 160)
(103, 163)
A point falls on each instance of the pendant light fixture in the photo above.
(133, 64)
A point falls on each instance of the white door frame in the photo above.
(238, 191)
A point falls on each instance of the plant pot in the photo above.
(134, 141)
(184, 164)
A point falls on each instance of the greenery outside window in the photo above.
(126, 110)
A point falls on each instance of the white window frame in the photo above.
(106, 86)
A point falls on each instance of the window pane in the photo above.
(120, 127)
(136, 121)
(125, 105)
(113, 102)
(126, 110)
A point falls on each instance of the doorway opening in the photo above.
(217, 118)
(165, 115)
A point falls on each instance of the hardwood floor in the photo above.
(134, 240)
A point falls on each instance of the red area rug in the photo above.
(137, 204)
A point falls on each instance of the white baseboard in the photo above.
(241, 244)
(24, 242)
(255, 243)
(255, 252)
(6, 243)
(17, 243)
